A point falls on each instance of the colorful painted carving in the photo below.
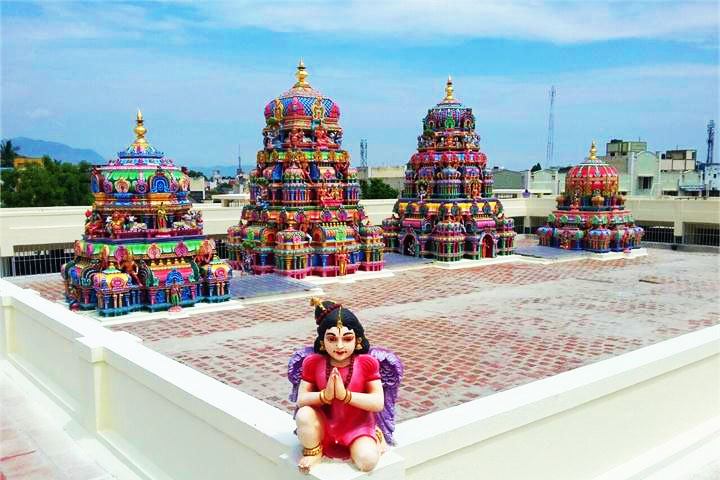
(143, 246)
(345, 391)
(303, 217)
(447, 210)
(591, 213)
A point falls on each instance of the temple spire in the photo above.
(449, 98)
(140, 130)
(301, 75)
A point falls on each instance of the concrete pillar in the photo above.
(93, 414)
(7, 325)
(678, 230)
(527, 227)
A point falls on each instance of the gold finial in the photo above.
(593, 151)
(140, 130)
(301, 75)
(449, 90)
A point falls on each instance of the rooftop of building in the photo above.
(498, 326)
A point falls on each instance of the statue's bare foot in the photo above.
(307, 462)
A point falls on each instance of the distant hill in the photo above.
(59, 151)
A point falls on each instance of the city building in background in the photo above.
(391, 175)
(21, 162)
(642, 172)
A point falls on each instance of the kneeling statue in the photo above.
(345, 391)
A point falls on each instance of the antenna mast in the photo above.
(551, 130)
(363, 152)
(239, 158)
(710, 142)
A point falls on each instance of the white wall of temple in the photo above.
(625, 417)
(53, 225)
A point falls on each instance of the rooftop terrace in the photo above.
(462, 334)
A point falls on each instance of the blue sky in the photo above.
(202, 72)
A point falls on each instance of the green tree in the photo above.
(221, 188)
(376, 188)
(8, 152)
(195, 174)
(536, 167)
(51, 184)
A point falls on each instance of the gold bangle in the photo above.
(348, 397)
(323, 400)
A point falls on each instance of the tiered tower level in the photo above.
(303, 217)
(447, 210)
(591, 213)
(143, 246)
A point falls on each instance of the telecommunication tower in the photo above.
(363, 152)
(710, 142)
(239, 158)
(551, 130)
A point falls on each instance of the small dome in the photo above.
(302, 100)
(449, 114)
(591, 175)
(140, 152)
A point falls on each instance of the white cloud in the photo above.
(417, 21)
(39, 113)
(426, 21)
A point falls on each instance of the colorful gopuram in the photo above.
(143, 246)
(591, 213)
(447, 210)
(304, 217)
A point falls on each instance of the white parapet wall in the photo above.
(64, 225)
(56, 225)
(629, 415)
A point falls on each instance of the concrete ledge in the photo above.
(585, 399)
(390, 467)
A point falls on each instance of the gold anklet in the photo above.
(313, 452)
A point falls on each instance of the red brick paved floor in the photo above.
(462, 334)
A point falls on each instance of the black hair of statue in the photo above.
(349, 321)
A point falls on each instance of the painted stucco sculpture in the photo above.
(143, 246)
(345, 391)
(447, 210)
(304, 217)
(591, 213)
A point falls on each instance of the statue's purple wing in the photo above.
(391, 373)
(295, 370)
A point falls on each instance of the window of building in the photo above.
(645, 183)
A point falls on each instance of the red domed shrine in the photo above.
(591, 213)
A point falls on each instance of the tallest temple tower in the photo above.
(304, 215)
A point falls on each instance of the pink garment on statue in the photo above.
(342, 424)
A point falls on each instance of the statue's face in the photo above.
(339, 344)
